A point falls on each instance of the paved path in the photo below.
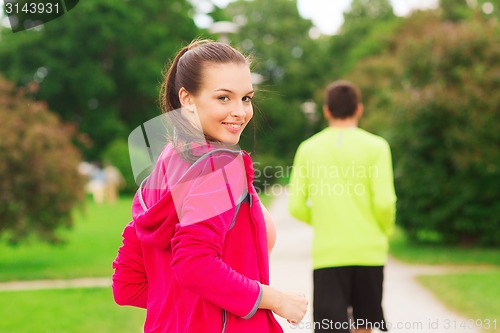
(408, 306)
(55, 284)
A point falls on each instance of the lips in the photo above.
(233, 127)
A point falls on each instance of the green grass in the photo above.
(67, 311)
(474, 295)
(401, 248)
(89, 251)
(474, 292)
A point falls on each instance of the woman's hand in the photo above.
(291, 306)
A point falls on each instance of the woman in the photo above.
(196, 253)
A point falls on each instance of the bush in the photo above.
(447, 143)
(442, 120)
(39, 169)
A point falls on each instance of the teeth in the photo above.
(233, 125)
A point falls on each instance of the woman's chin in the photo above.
(233, 140)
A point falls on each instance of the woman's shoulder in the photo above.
(218, 159)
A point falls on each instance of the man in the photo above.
(342, 184)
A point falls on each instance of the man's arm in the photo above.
(384, 196)
(298, 188)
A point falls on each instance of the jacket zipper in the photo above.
(224, 320)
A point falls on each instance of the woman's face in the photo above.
(224, 101)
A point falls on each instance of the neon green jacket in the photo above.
(342, 185)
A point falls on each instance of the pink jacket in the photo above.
(195, 254)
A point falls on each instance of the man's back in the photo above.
(342, 184)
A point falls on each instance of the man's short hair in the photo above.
(342, 99)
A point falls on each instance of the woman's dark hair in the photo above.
(342, 99)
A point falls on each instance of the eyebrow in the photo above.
(232, 92)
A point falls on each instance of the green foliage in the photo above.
(99, 65)
(463, 10)
(454, 10)
(269, 170)
(437, 104)
(367, 30)
(361, 12)
(451, 129)
(38, 163)
(376, 77)
(117, 154)
(69, 311)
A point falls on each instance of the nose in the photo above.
(239, 110)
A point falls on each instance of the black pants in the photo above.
(339, 289)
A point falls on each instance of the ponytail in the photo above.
(169, 98)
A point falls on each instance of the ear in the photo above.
(326, 112)
(184, 97)
(359, 111)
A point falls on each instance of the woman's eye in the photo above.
(223, 98)
(247, 99)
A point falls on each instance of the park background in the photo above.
(74, 88)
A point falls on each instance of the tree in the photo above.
(454, 10)
(361, 12)
(462, 10)
(99, 66)
(40, 183)
(367, 29)
(435, 98)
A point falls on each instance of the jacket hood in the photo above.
(155, 225)
(154, 207)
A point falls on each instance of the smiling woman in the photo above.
(223, 112)
(196, 253)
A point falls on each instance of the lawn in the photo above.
(474, 292)
(88, 252)
(475, 295)
(67, 311)
(404, 250)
